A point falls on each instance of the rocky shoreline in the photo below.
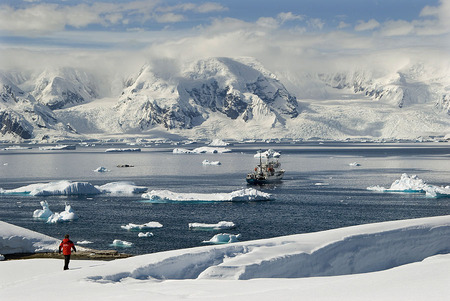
(87, 254)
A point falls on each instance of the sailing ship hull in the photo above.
(256, 179)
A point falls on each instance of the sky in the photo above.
(82, 32)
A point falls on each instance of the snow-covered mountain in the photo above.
(206, 87)
(20, 113)
(229, 99)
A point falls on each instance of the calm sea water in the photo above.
(320, 190)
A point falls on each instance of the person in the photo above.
(66, 245)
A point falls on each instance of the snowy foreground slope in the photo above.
(400, 260)
(227, 98)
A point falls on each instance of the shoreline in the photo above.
(88, 254)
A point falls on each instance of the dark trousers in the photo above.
(66, 262)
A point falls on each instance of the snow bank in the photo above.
(243, 195)
(207, 162)
(223, 225)
(413, 184)
(14, 239)
(351, 250)
(223, 238)
(135, 227)
(75, 188)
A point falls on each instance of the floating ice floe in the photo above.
(75, 188)
(119, 150)
(121, 243)
(270, 153)
(67, 215)
(146, 234)
(413, 184)
(223, 238)
(355, 164)
(202, 150)
(136, 227)
(84, 242)
(121, 188)
(16, 147)
(58, 147)
(101, 169)
(223, 225)
(43, 213)
(243, 195)
(207, 162)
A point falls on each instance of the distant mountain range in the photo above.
(225, 98)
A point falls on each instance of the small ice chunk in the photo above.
(2, 257)
(43, 213)
(207, 162)
(146, 234)
(136, 227)
(223, 225)
(355, 164)
(121, 243)
(101, 169)
(223, 238)
(84, 242)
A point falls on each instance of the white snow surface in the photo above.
(398, 260)
(247, 194)
(414, 184)
(65, 187)
(219, 226)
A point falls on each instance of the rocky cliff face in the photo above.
(20, 113)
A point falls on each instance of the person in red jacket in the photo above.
(66, 245)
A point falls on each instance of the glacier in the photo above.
(223, 98)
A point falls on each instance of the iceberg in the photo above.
(135, 227)
(58, 147)
(243, 195)
(67, 215)
(121, 243)
(207, 162)
(223, 238)
(223, 225)
(43, 213)
(202, 150)
(119, 150)
(413, 184)
(84, 242)
(75, 188)
(101, 169)
(270, 153)
(121, 187)
(355, 164)
(146, 234)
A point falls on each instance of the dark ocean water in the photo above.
(320, 190)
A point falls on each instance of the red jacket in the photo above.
(67, 246)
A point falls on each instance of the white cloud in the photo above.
(289, 16)
(210, 7)
(169, 18)
(369, 25)
(397, 28)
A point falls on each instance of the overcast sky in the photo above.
(276, 32)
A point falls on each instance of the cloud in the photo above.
(397, 28)
(210, 7)
(369, 25)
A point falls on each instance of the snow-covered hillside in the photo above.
(231, 99)
(398, 260)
